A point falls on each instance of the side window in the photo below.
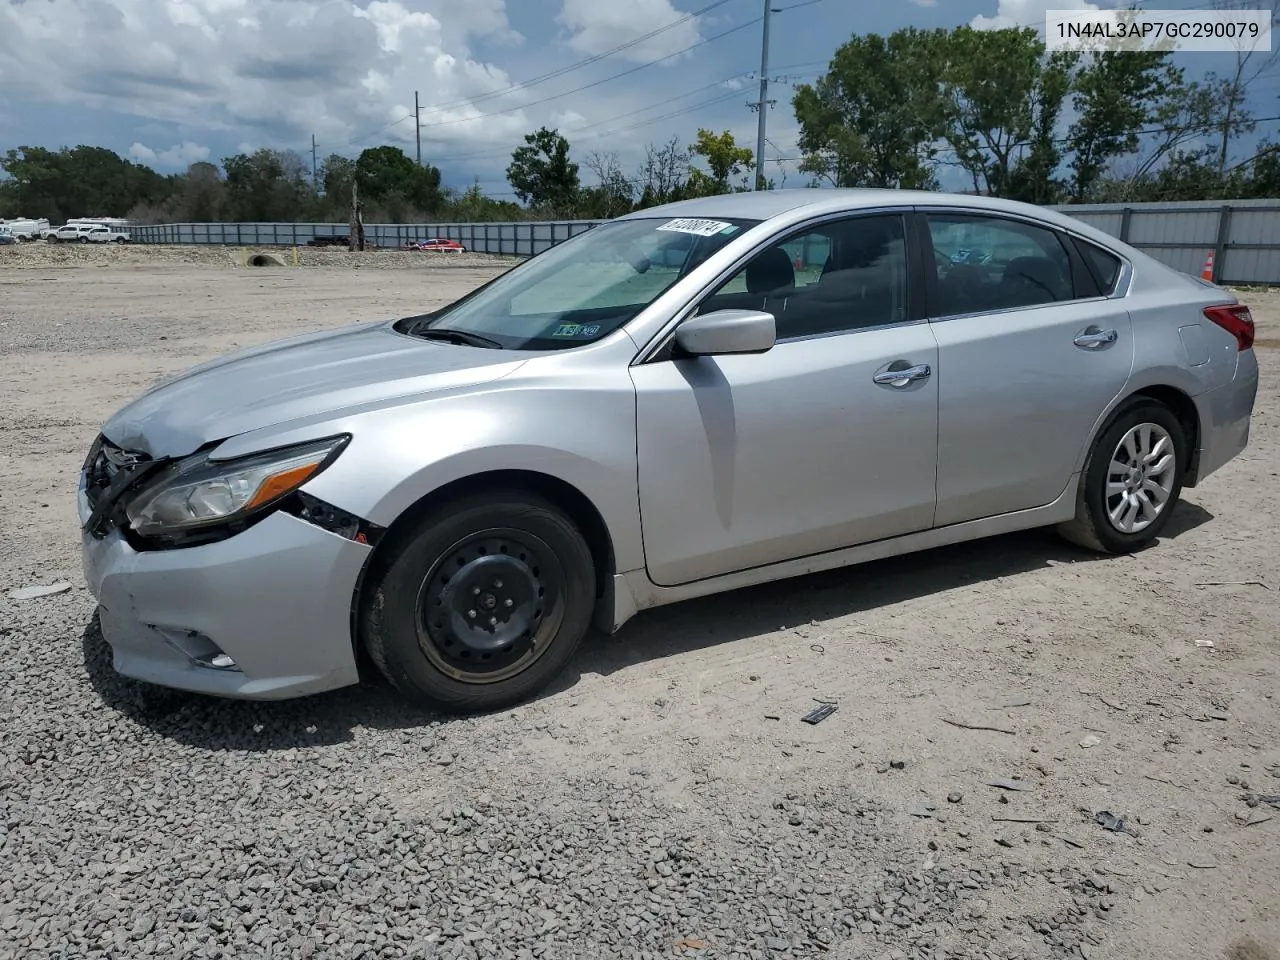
(842, 275)
(986, 264)
(1104, 266)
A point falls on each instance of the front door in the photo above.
(826, 441)
(1031, 358)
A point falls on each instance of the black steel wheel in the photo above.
(480, 604)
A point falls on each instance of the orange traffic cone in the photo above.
(1207, 272)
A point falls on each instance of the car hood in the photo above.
(333, 371)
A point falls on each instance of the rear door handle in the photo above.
(1095, 337)
(900, 378)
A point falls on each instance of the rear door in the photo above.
(1030, 353)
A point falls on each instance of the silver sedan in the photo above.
(686, 400)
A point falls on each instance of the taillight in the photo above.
(1236, 319)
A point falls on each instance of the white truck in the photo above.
(73, 232)
(101, 233)
(77, 229)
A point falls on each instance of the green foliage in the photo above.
(542, 174)
(1116, 96)
(388, 178)
(724, 158)
(80, 182)
(875, 118)
(991, 79)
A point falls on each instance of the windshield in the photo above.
(583, 289)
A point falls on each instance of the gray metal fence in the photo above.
(1244, 235)
(514, 239)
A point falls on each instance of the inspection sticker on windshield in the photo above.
(699, 228)
(576, 330)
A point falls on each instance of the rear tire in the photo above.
(480, 604)
(1132, 480)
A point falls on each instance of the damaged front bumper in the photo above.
(264, 614)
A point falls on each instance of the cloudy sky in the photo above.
(168, 82)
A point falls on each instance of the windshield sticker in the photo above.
(576, 330)
(699, 228)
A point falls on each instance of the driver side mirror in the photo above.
(727, 331)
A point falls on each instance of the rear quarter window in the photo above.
(1104, 266)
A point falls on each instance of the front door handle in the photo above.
(900, 378)
(1094, 337)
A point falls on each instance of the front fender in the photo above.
(584, 438)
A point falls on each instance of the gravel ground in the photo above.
(664, 800)
(39, 255)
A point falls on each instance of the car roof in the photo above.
(767, 204)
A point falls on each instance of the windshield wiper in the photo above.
(457, 336)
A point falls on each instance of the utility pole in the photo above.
(762, 105)
(315, 177)
(417, 125)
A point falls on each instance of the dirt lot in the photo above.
(665, 799)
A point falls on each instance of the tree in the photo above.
(613, 195)
(876, 116)
(267, 185)
(990, 81)
(472, 206)
(724, 158)
(200, 194)
(390, 179)
(1115, 96)
(83, 181)
(542, 174)
(1234, 118)
(1033, 179)
(664, 173)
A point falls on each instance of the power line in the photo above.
(581, 63)
(596, 83)
(731, 95)
(600, 123)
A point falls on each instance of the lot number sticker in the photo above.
(699, 228)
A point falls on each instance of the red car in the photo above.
(435, 244)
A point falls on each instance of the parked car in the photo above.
(435, 245)
(105, 234)
(460, 493)
(6, 237)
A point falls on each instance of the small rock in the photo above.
(898, 764)
(1233, 779)
(776, 943)
(1090, 741)
(954, 797)
(1044, 827)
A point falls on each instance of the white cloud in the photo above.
(597, 26)
(267, 72)
(179, 156)
(925, 3)
(1026, 13)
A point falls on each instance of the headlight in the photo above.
(200, 492)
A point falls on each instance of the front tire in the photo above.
(1132, 480)
(480, 604)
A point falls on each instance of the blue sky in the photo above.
(169, 82)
